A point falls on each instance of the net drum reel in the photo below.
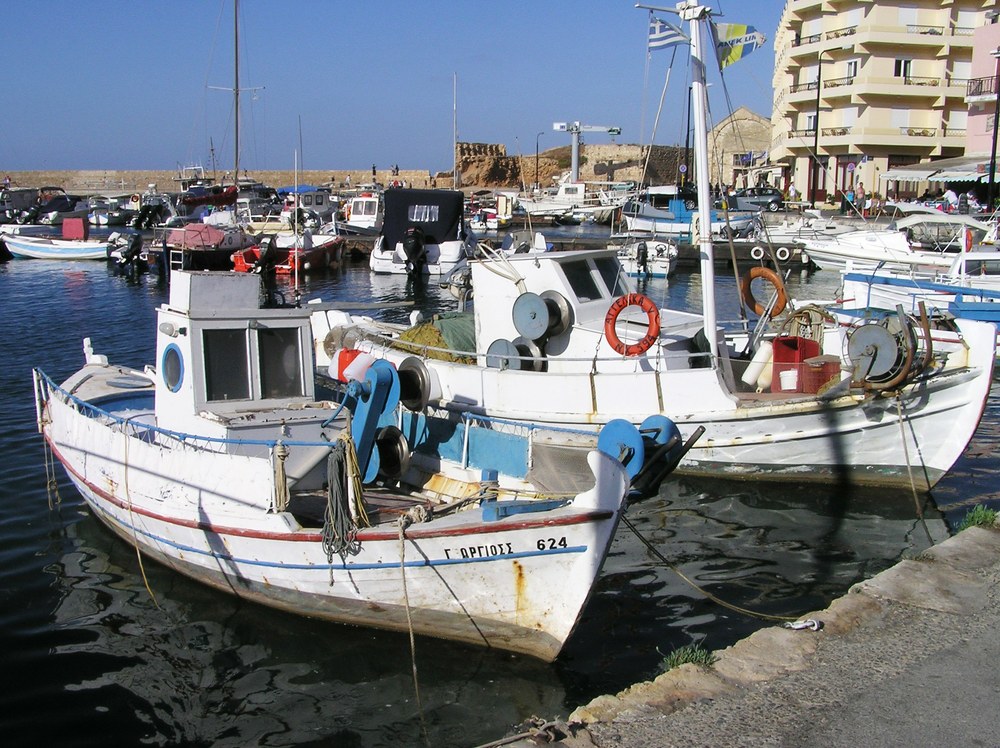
(537, 318)
(889, 349)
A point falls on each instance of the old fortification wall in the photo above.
(480, 165)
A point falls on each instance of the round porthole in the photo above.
(172, 367)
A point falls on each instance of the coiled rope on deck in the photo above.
(345, 511)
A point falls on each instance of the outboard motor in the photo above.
(415, 250)
(642, 258)
(268, 254)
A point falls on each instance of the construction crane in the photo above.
(574, 129)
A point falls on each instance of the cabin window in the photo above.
(610, 270)
(580, 280)
(226, 371)
(423, 213)
(172, 367)
(280, 359)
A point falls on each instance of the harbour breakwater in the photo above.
(480, 165)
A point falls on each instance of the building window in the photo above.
(852, 68)
(902, 69)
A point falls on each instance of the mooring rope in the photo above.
(131, 517)
(909, 468)
(703, 591)
(415, 514)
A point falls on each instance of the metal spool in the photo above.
(875, 352)
(533, 354)
(530, 315)
(394, 453)
(536, 317)
(560, 312)
(502, 354)
(414, 384)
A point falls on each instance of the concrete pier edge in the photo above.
(948, 584)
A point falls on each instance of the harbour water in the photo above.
(102, 649)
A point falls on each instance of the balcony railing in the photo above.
(833, 132)
(800, 40)
(809, 133)
(954, 132)
(911, 80)
(918, 132)
(982, 87)
(957, 82)
(838, 33)
(799, 87)
(837, 82)
(931, 30)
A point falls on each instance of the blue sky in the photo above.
(132, 84)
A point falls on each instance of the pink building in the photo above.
(982, 91)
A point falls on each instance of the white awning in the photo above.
(960, 175)
(909, 175)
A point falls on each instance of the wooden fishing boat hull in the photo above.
(518, 583)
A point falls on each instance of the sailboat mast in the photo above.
(236, 87)
(697, 15)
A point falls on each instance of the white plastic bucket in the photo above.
(789, 379)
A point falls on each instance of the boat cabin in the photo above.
(226, 367)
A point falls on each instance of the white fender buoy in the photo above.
(760, 360)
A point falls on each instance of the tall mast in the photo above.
(690, 11)
(236, 87)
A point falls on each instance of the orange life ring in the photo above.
(764, 273)
(611, 320)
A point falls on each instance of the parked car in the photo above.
(755, 198)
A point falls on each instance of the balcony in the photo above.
(838, 82)
(981, 89)
(911, 80)
(800, 87)
(835, 132)
(930, 30)
(918, 132)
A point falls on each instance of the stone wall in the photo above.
(482, 165)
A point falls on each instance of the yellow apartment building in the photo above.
(862, 88)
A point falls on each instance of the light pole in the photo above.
(536, 158)
(996, 112)
(814, 164)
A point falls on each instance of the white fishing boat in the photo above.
(423, 231)
(562, 339)
(363, 213)
(666, 212)
(968, 289)
(571, 197)
(920, 242)
(74, 244)
(220, 463)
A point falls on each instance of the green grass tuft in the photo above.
(978, 516)
(694, 653)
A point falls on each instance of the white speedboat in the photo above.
(968, 289)
(219, 462)
(920, 242)
(423, 231)
(561, 339)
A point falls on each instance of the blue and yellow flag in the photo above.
(734, 41)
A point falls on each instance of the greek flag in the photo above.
(663, 34)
